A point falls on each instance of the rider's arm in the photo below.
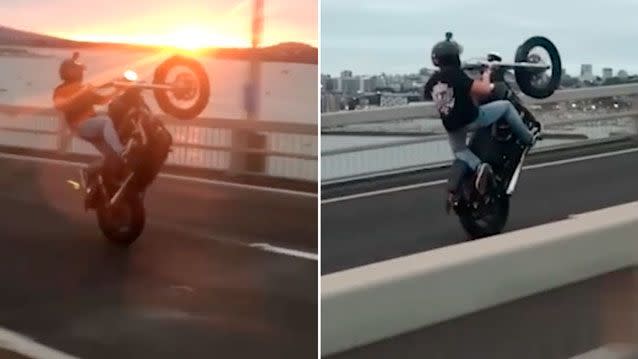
(65, 103)
(104, 99)
(482, 88)
(427, 89)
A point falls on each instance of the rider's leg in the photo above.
(491, 112)
(100, 129)
(458, 144)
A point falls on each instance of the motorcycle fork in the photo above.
(139, 129)
(120, 192)
(517, 172)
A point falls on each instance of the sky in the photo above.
(190, 23)
(396, 37)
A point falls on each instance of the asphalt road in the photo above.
(360, 230)
(190, 287)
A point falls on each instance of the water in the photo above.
(288, 91)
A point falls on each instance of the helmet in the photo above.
(447, 52)
(72, 70)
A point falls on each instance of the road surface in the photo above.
(371, 221)
(220, 271)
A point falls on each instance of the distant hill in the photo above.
(284, 52)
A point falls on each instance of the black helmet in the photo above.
(447, 52)
(72, 70)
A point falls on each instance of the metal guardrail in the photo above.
(409, 154)
(427, 110)
(286, 150)
(420, 153)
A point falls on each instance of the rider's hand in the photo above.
(486, 76)
(105, 86)
(122, 84)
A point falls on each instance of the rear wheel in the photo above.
(487, 218)
(122, 224)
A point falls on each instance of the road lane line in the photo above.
(263, 246)
(383, 191)
(168, 176)
(286, 251)
(26, 346)
(443, 181)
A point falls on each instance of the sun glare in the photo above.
(188, 38)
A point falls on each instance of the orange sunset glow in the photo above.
(185, 24)
(187, 38)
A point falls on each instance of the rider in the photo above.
(457, 96)
(76, 101)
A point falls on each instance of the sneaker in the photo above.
(536, 136)
(484, 177)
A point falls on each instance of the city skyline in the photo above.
(376, 36)
(597, 71)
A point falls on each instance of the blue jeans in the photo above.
(100, 132)
(488, 114)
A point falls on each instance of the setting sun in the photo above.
(187, 38)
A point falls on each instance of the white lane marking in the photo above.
(286, 251)
(25, 346)
(581, 159)
(169, 176)
(383, 191)
(443, 181)
(236, 242)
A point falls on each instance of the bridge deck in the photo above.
(190, 287)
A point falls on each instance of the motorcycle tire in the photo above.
(135, 227)
(162, 97)
(524, 77)
(492, 227)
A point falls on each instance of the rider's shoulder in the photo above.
(66, 89)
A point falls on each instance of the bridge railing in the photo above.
(268, 148)
(563, 128)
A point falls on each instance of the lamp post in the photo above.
(242, 138)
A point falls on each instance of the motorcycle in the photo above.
(486, 214)
(117, 193)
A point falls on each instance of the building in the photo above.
(623, 75)
(328, 83)
(587, 73)
(368, 84)
(346, 74)
(350, 85)
(608, 73)
(337, 85)
(330, 102)
(381, 81)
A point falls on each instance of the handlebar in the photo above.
(506, 65)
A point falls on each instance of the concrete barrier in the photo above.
(366, 304)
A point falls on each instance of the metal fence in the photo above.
(276, 149)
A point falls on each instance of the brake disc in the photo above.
(185, 86)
